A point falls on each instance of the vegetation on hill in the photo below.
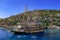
(46, 17)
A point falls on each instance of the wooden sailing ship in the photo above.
(32, 28)
(29, 26)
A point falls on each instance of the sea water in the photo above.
(49, 34)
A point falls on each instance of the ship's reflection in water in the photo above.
(52, 34)
(27, 37)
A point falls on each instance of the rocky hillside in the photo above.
(46, 17)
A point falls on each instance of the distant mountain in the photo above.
(43, 16)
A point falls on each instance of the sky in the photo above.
(13, 7)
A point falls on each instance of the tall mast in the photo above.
(26, 8)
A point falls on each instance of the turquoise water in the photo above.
(52, 34)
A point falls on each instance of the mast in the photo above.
(25, 11)
(26, 8)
